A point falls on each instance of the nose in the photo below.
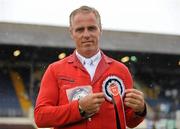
(86, 33)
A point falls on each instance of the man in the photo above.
(88, 90)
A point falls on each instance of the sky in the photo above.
(152, 16)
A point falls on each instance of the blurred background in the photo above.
(142, 34)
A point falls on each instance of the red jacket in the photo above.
(53, 108)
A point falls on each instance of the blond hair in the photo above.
(85, 9)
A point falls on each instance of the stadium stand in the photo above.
(156, 70)
(9, 104)
(21, 92)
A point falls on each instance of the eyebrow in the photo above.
(79, 28)
(89, 27)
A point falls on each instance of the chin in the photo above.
(90, 52)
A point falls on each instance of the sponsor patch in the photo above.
(78, 92)
(113, 85)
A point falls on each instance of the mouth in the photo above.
(87, 42)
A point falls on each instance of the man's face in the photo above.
(86, 32)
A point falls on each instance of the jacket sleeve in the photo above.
(47, 113)
(132, 119)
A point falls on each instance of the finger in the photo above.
(132, 95)
(97, 110)
(135, 107)
(93, 109)
(133, 101)
(136, 95)
(99, 95)
(133, 91)
(99, 100)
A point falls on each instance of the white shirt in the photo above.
(90, 63)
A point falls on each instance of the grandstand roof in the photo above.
(53, 36)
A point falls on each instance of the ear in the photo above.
(70, 31)
(101, 31)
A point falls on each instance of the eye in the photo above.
(80, 29)
(92, 28)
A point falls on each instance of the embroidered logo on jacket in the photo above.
(78, 92)
(112, 85)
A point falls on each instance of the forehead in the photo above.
(84, 18)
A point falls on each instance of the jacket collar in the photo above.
(104, 64)
(73, 58)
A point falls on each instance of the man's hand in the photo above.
(92, 102)
(135, 100)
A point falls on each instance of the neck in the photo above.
(88, 54)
